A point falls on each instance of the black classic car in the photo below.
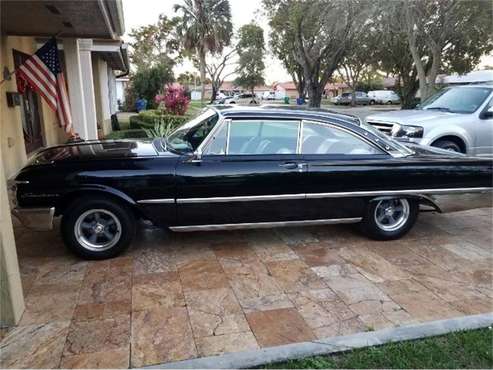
(240, 167)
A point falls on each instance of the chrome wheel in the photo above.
(392, 214)
(97, 229)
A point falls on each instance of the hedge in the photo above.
(148, 118)
(126, 134)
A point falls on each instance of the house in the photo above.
(230, 88)
(331, 89)
(121, 86)
(92, 55)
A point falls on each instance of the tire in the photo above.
(448, 145)
(103, 217)
(372, 102)
(374, 223)
(389, 102)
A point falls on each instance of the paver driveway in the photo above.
(177, 296)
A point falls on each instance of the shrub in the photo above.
(147, 83)
(174, 100)
(147, 120)
(159, 130)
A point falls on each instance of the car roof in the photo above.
(286, 111)
(471, 86)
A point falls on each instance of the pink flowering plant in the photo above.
(174, 100)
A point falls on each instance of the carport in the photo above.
(24, 26)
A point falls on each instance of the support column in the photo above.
(81, 88)
(85, 46)
(11, 295)
(102, 95)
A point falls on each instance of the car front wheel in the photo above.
(390, 218)
(447, 145)
(98, 228)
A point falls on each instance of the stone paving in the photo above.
(177, 296)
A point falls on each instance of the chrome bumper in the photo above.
(463, 202)
(39, 219)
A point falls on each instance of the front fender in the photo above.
(438, 132)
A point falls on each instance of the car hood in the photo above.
(93, 150)
(412, 116)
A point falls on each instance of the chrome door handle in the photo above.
(289, 165)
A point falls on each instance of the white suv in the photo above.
(456, 118)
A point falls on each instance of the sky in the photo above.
(142, 12)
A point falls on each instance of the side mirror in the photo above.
(487, 114)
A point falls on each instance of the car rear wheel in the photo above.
(447, 145)
(372, 102)
(98, 228)
(389, 218)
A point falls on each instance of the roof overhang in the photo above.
(114, 52)
(69, 18)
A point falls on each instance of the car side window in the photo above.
(217, 144)
(324, 139)
(248, 137)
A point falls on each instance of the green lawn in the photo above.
(468, 349)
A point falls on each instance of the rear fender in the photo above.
(424, 200)
(72, 195)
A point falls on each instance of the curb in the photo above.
(253, 358)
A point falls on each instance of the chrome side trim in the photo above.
(344, 194)
(39, 219)
(397, 192)
(252, 198)
(255, 225)
(154, 201)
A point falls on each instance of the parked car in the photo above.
(383, 97)
(458, 118)
(273, 95)
(242, 167)
(362, 98)
(242, 99)
(269, 95)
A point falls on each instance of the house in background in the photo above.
(92, 55)
(121, 86)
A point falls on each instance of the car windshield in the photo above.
(190, 135)
(457, 100)
(389, 143)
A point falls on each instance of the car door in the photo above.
(339, 163)
(249, 172)
(484, 132)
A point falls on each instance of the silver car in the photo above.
(345, 98)
(456, 118)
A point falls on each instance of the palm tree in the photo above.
(205, 27)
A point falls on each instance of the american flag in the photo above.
(43, 73)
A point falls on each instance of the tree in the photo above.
(205, 27)
(454, 34)
(155, 44)
(281, 46)
(149, 82)
(217, 71)
(251, 49)
(357, 62)
(391, 51)
(188, 78)
(320, 32)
